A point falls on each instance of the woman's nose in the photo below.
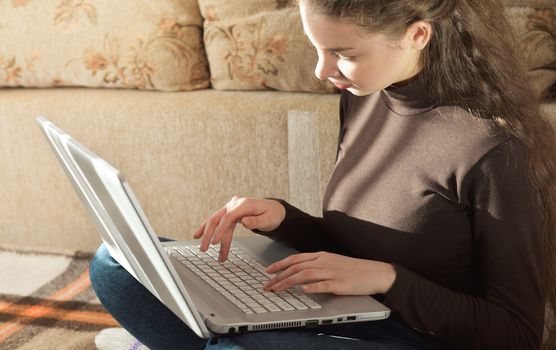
(326, 67)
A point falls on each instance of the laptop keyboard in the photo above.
(239, 279)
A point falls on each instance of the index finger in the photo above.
(201, 230)
(291, 260)
(234, 211)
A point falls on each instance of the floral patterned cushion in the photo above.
(142, 44)
(258, 45)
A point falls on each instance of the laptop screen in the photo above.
(122, 224)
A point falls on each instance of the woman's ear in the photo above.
(419, 34)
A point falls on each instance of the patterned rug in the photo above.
(46, 302)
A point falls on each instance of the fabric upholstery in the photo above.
(154, 45)
(531, 3)
(259, 45)
(184, 154)
(535, 32)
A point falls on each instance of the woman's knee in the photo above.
(99, 265)
(106, 274)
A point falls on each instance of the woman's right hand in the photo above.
(253, 213)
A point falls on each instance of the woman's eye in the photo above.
(346, 58)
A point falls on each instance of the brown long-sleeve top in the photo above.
(433, 191)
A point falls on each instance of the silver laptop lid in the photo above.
(122, 224)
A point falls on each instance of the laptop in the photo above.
(211, 298)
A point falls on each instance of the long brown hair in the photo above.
(471, 62)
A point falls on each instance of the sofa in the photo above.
(246, 118)
(194, 101)
(140, 96)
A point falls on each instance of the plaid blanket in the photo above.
(46, 302)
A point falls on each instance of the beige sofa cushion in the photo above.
(535, 31)
(183, 154)
(155, 45)
(258, 45)
(531, 3)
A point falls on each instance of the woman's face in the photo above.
(360, 62)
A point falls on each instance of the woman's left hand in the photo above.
(325, 272)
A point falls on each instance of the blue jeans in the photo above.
(152, 323)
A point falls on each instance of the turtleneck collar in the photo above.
(408, 98)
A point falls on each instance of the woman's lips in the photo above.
(342, 86)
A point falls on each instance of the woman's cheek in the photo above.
(363, 78)
(350, 74)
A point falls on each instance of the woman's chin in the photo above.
(358, 92)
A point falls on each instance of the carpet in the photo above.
(47, 302)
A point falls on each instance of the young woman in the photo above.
(440, 204)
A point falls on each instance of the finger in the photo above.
(320, 287)
(301, 278)
(291, 260)
(225, 245)
(202, 229)
(208, 232)
(258, 221)
(264, 217)
(225, 225)
(234, 210)
(199, 232)
(209, 228)
(250, 222)
(289, 272)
